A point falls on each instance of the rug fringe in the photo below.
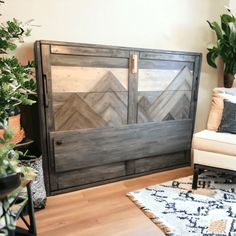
(165, 229)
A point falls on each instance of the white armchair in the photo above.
(212, 149)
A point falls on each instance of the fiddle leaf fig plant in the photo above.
(225, 46)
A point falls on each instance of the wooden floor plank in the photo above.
(103, 210)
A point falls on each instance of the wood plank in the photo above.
(155, 79)
(90, 175)
(74, 79)
(88, 61)
(167, 56)
(162, 161)
(91, 147)
(167, 65)
(89, 51)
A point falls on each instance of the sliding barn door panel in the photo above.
(113, 112)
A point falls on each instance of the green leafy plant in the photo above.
(9, 158)
(17, 82)
(225, 46)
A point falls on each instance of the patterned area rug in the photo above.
(177, 210)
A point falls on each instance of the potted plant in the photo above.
(225, 47)
(17, 82)
(10, 167)
(11, 172)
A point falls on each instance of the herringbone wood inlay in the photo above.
(173, 103)
(105, 105)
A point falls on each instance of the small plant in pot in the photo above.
(17, 82)
(225, 47)
(10, 167)
(11, 172)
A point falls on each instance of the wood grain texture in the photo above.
(88, 51)
(103, 210)
(106, 105)
(167, 65)
(167, 56)
(91, 175)
(173, 103)
(98, 174)
(73, 79)
(75, 113)
(162, 161)
(88, 61)
(85, 148)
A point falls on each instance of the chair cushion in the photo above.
(211, 141)
(214, 160)
(228, 122)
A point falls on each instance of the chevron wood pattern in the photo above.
(172, 103)
(105, 106)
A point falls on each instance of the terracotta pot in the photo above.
(228, 80)
(15, 126)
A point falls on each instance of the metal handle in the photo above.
(134, 63)
(45, 88)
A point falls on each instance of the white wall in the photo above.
(162, 24)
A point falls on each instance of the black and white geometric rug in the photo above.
(177, 210)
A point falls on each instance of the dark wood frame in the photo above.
(49, 139)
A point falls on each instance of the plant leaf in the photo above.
(211, 57)
(215, 26)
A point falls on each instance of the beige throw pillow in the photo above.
(217, 107)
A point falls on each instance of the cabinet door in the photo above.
(89, 87)
(164, 87)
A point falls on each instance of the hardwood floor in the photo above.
(102, 211)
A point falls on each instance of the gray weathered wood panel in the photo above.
(167, 56)
(90, 110)
(160, 162)
(88, 61)
(85, 148)
(88, 51)
(162, 64)
(173, 103)
(90, 175)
